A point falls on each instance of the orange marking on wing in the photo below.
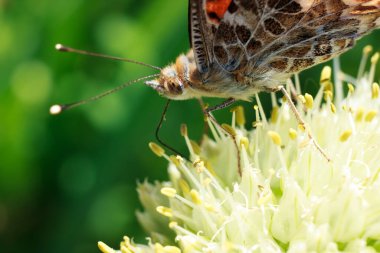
(217, 7)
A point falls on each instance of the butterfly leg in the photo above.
(220, 106)
(224, 104)
(158, 128)
(302, 122)
(205, 125)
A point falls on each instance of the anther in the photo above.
(292, 133)
(375, 90)
(345, 135)
(156, 149)
(165, 211)
(276, 138)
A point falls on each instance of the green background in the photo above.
(68, 181)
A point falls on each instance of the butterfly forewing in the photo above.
(257, 37)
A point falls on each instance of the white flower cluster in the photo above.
(283, 196)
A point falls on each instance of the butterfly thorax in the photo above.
(183, 80)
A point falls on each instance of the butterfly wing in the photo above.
(204, 19)
(286, 36)
(322, 30)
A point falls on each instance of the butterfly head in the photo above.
(168, 83)
(175, 81)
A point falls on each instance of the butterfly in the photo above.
(242, 47)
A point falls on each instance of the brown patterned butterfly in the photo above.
(242, 47)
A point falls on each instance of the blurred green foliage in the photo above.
(68, 181)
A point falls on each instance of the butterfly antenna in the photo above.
(62, 48)
(57, 109)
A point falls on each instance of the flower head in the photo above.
(287, 197)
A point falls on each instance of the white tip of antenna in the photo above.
(58, 46)
(55, 109)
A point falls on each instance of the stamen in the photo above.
(184, 130)
(366, 51)
(375, 90)
(351, 88)
(156, 149)
(328, 96)
(292, 133)
(374, 60)
(244, 142)
(309, 101)
(165, 211)
(261, 110)
(240, 117)
(168, 192)
(326, 76)
(338, 81)
(188, 141)
(345, 135)
(274, 114)
(229, 129)
(370, 115)
(275, 138)
(195, 197)
(105, 248)
(196, 147)
(359, 114)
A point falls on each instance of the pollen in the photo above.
(195, 197)
(105, 248)
(370, 115)
(367, 49)
(375, 58)
(345, 135)
(229, 129)
(156, 149)
(326, 76)
(302, 99)
(375, 90)
(240, 116)
(173, 224)
(293, 134)
(309, 101)
(165, 211)
(175, 160)
(244, 142)
(351, 88)
(184, 186)
(169, 192)
(276, 138)
(301, 127)
(274, 114)
(333, 108)
(359, 114)
(184, 130)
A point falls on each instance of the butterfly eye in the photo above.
(173, 87)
